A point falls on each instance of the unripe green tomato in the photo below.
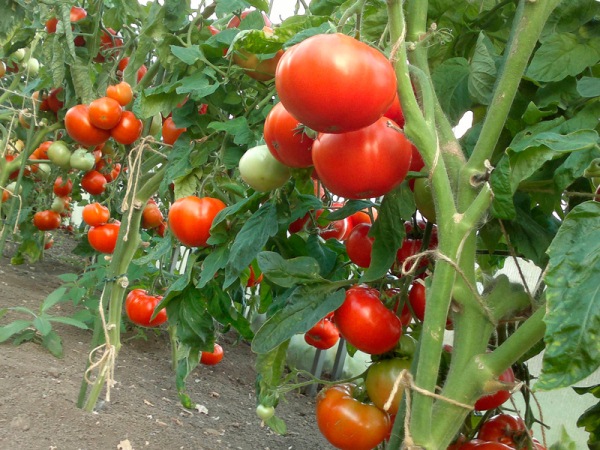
(44, 171)
(12, 186)
(155, 125)
(58, 205)
(32, 67)
(380, 380)
(18, 55)
(424, 199)
(60, 154)
(265, 412)
(407, 346)
(259, 168)
(83, 160)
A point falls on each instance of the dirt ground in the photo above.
(39, 392)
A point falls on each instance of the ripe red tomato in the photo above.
(190, 219)
(347, 423)
(81, 130)
(77, 14)
(409, 248)
(139, 306)
(333, 83)
(128, 130)
(120, 92)
(496, 399)
(61, 187)
(55, 99)
(416, 298)
(170, 132)
(51, 25)
(212, 358)
(380, 380)
(416, 163)
(337, 229)
(253, 280)
(504, 428)
(95, 214)
(152, 217)
(361, 164)
(105, 112)
(46, 220)
(359, 245)
(286, 139)
(365, 322)
(107, 41)
(103, 238)
(93, 182)
(323, 335)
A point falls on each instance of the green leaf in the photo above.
(573, 167)
(188, 55)
(176, 14)
(198, 84)
(277, 425)
(573, 300)
(565, 442)
(563, 55)
(162, 248)
(229, 6)
(7, 331)
(303, 309)
(188, 359)
(590, 419)
(223, 310)
(69, 321)
(68, 277)
(588, 87)
(80, 73)
(53, 343)
(215, 261)
(287, 273)
(238, 128)
(451, 82)
(483, 72)
(43, 325)
(194, 325)
(53, 298)
(250, 240)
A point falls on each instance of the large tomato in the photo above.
(361, 164)
(259, 168)
(46, 220)
(286, 140)
(347, 423)
(334, 83)
(365, 322)
(93, 182)
(139, 306)
(81, 130)
(496, 399)
(128, 130)
(380, 380)
(190, 219)
(105, 112)
(95, 214)
(212, 358)
(103, 238)
(323, 335)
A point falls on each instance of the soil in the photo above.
(38, 408)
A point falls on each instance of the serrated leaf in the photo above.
(53, 298)
(199, 84)
(80, 73)
(303, 309)
(194, 325)
(164, 247)
(483, 72)
(573, 300)
(7, 331)
(188, 55)
(287, 273)
(238, 128)
(451, 81)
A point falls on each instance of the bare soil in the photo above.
(39, 392)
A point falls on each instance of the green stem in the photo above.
(13, 84)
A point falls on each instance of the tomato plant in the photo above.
(140, 306)
(120, 92)
(170, 132)
(503, 428)
(190, 219)
(496, 399)
(62, 187)
(359, 245)
(259, 168)
(128, 129)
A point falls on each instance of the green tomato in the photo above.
(32, 67)
(44, 171)
(259, 168)
(60, 154)
(83, 160)
(155, 125)
(265, 412)
(18, 55)
(380, 380)
(424, 199)
(12, 186)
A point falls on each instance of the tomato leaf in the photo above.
(194, 325)
(590, 419)
(188, 359)
(588, 87)
(573, 300)
(303, 309)
(451, 82)
(161, 248)
(216, 260)
(238, 128)
(290, 272)
(69, 321)
(483, 72)
(221, 307)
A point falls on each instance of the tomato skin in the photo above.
(260, 70)
(170, 132)
(394, 112)
(496, 399)
(336, 229)
(212, 358)
(139, 306)
(103, 238)
(504, 428)
(81, 130)
(359, 245)
(362, 164)
(287, 143)
(77, 14)
(152, 217)
(380, 380)
(347, 423)
(365, 322)
(323, 335)
(54, 102)
(59, 154)
(190, 219)
(265, 412)
(46, 220)
(82, 159)
(93, 182)
(120, 92)
(95, 214)
(128, 130)
(105, 112)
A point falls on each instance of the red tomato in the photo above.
(81, 130)
(361, 164)
(190, 219)
(109, 40)
(62, 188)
(141, 72)
(286, 139)
(333, 83)
(380, 380)
(260, 70)
(55, 99)
(103, 238)
(394, 112)
(252, 279)
(298, 224)
(121, 92)
(95, 214)
(337, 229)
(359, 245)
(416, 298)
(46, 220)
(93, 182)
(212, 358)
(139, 306)
(77, 14)
(365, 322)
(51, 25)
(128, 130)
(42, 151)
(170, 132)
(347, 423)
(363, 217)
(504, 428)
(152, 217)
(160, 230)
(496, 399)
(323, 335)
(105, 113)
(416, 163)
